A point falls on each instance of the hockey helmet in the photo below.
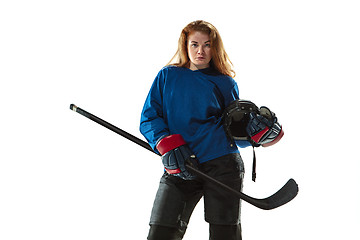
(236, 117)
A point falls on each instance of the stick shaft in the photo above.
(147, 146)
(284, 195)
(112, 127)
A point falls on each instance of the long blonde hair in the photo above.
(219, 61)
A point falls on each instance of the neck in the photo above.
(194, 67)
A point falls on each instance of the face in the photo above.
(199, 50)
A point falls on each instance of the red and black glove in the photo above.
(264, 128)
(175, 154)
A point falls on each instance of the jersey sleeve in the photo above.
(152, 123)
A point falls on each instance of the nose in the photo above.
(200, 50)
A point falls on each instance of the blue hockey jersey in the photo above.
(190, 103)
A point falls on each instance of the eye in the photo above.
(207, 45)
(194, 45)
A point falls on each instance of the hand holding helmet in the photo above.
(263, 128)
(243, 120)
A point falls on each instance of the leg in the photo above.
(225, 232)
(165, 233)
(222, 209)
(174, 203)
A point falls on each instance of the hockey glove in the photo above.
(175, 154)
(264, 128)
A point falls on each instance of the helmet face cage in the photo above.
(236, 118)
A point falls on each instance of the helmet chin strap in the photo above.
(254, 165)
(235, 119)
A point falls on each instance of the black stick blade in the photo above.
(281, 197)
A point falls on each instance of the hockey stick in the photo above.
(281, 197)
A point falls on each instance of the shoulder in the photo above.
(171, 71)
(226, 80)
(168, 73)
(228, 87)
(168, 70)
(171, 68)
(214, 73)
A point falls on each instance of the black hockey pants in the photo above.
(177, 198)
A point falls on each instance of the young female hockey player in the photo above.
(181, 119)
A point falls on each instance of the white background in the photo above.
(63, 176)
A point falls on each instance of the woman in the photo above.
(181, 119)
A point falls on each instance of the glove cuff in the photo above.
(278, 137)
(169, 143)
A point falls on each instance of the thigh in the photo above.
(174, 202)
(222, 207)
